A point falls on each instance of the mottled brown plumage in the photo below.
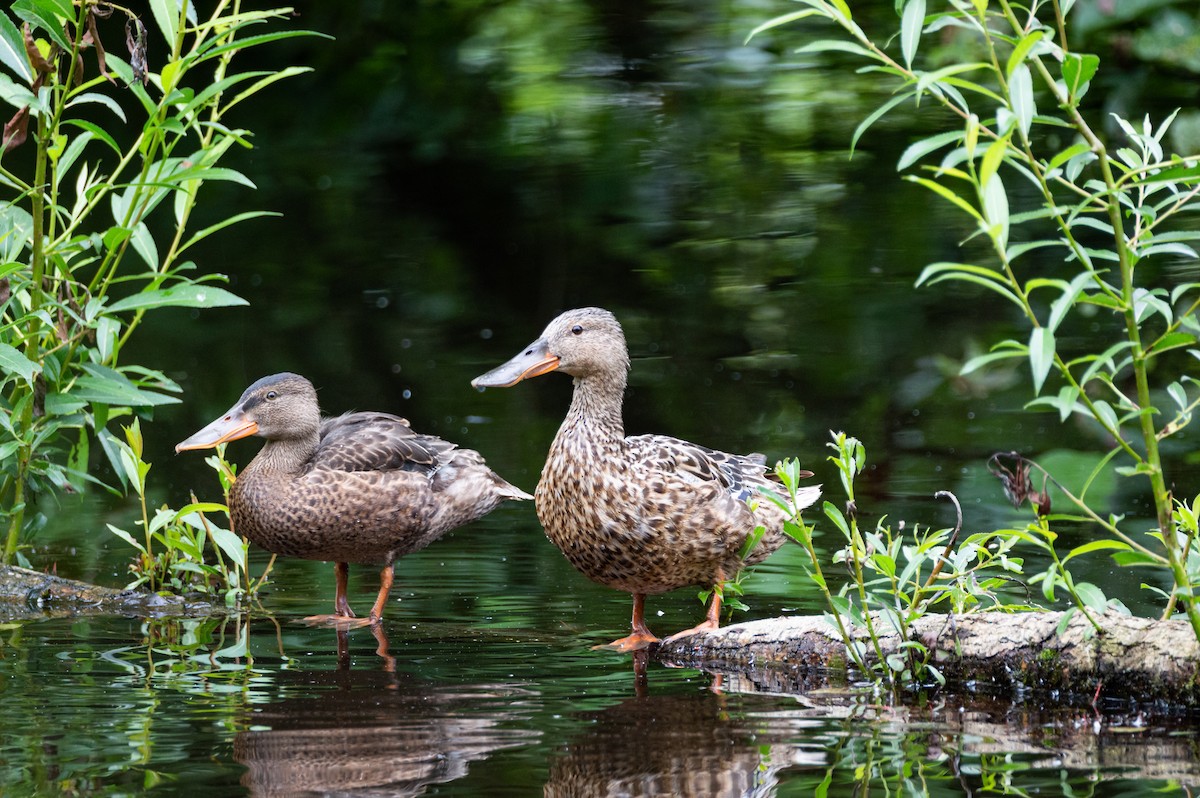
(643, 514)
(361, 487)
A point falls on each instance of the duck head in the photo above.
(582, 342)
(280, 407)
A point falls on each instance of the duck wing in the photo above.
(739, 475)
(370, 441)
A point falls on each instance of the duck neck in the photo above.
(595, 412)
(283, 456)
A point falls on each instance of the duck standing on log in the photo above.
(643, 514)
(357, 488)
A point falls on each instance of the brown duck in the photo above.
(643, 514)
(357, 488)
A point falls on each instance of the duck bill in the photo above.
(229, 427)
(535, 360)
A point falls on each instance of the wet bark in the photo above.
(1136, 658)
(26, 594)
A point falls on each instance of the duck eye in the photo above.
(272, 395)
(577, 329)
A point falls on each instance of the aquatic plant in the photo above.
(895, 575)
(1072, 228)
(103, 164)
(173, 552)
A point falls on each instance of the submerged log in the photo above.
(1135, 658)
(26, 594)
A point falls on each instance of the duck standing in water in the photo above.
(648, 513)
(357, 488)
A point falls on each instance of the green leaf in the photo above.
(835, 515)
(837, 45)
(102, 99)
(781, 20)
(993, 281)
(1071, 292)
(231, 545)
(166, 14)
(188, 295)
(919, 149)
(1017, 250)
(96, 131)
(253, 41)
(994, 200)
(118, 390)
(15, 94)
(232, 220)
(262, 83)
(1106, 415)
(911, 23)
(1128, 558)
(1065, 620)
(1091, 596)
(44, 14)
(1077, 71)
(927, 79)
(143, 244)
(125, 536)
(1097, 545)
(1041, 356)
(1068, 154)
(1170, 248)
(992, 159)
(1020, 90)
(12, 49)
(13, 361)
(1017, 58)
(1171, 341)
(1179, 395)
(874, 117)
(210, 173)
(58, 404)
(1141, 469)
(946, 193)
(1178, 173)
(982, 360)
(842, 8)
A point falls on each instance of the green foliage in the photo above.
(897, 576)
(96, 224)
(172, 552)
(1070, 230)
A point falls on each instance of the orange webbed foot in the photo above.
(634, 642)
(703, 626)
(339, 621)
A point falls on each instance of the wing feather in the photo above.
(369, 441)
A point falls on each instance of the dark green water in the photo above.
(489, 687)
(452, 175)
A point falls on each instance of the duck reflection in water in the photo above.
(671, 745)
(374, 733)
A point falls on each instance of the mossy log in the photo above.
(1135, 658)
(26, 594)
